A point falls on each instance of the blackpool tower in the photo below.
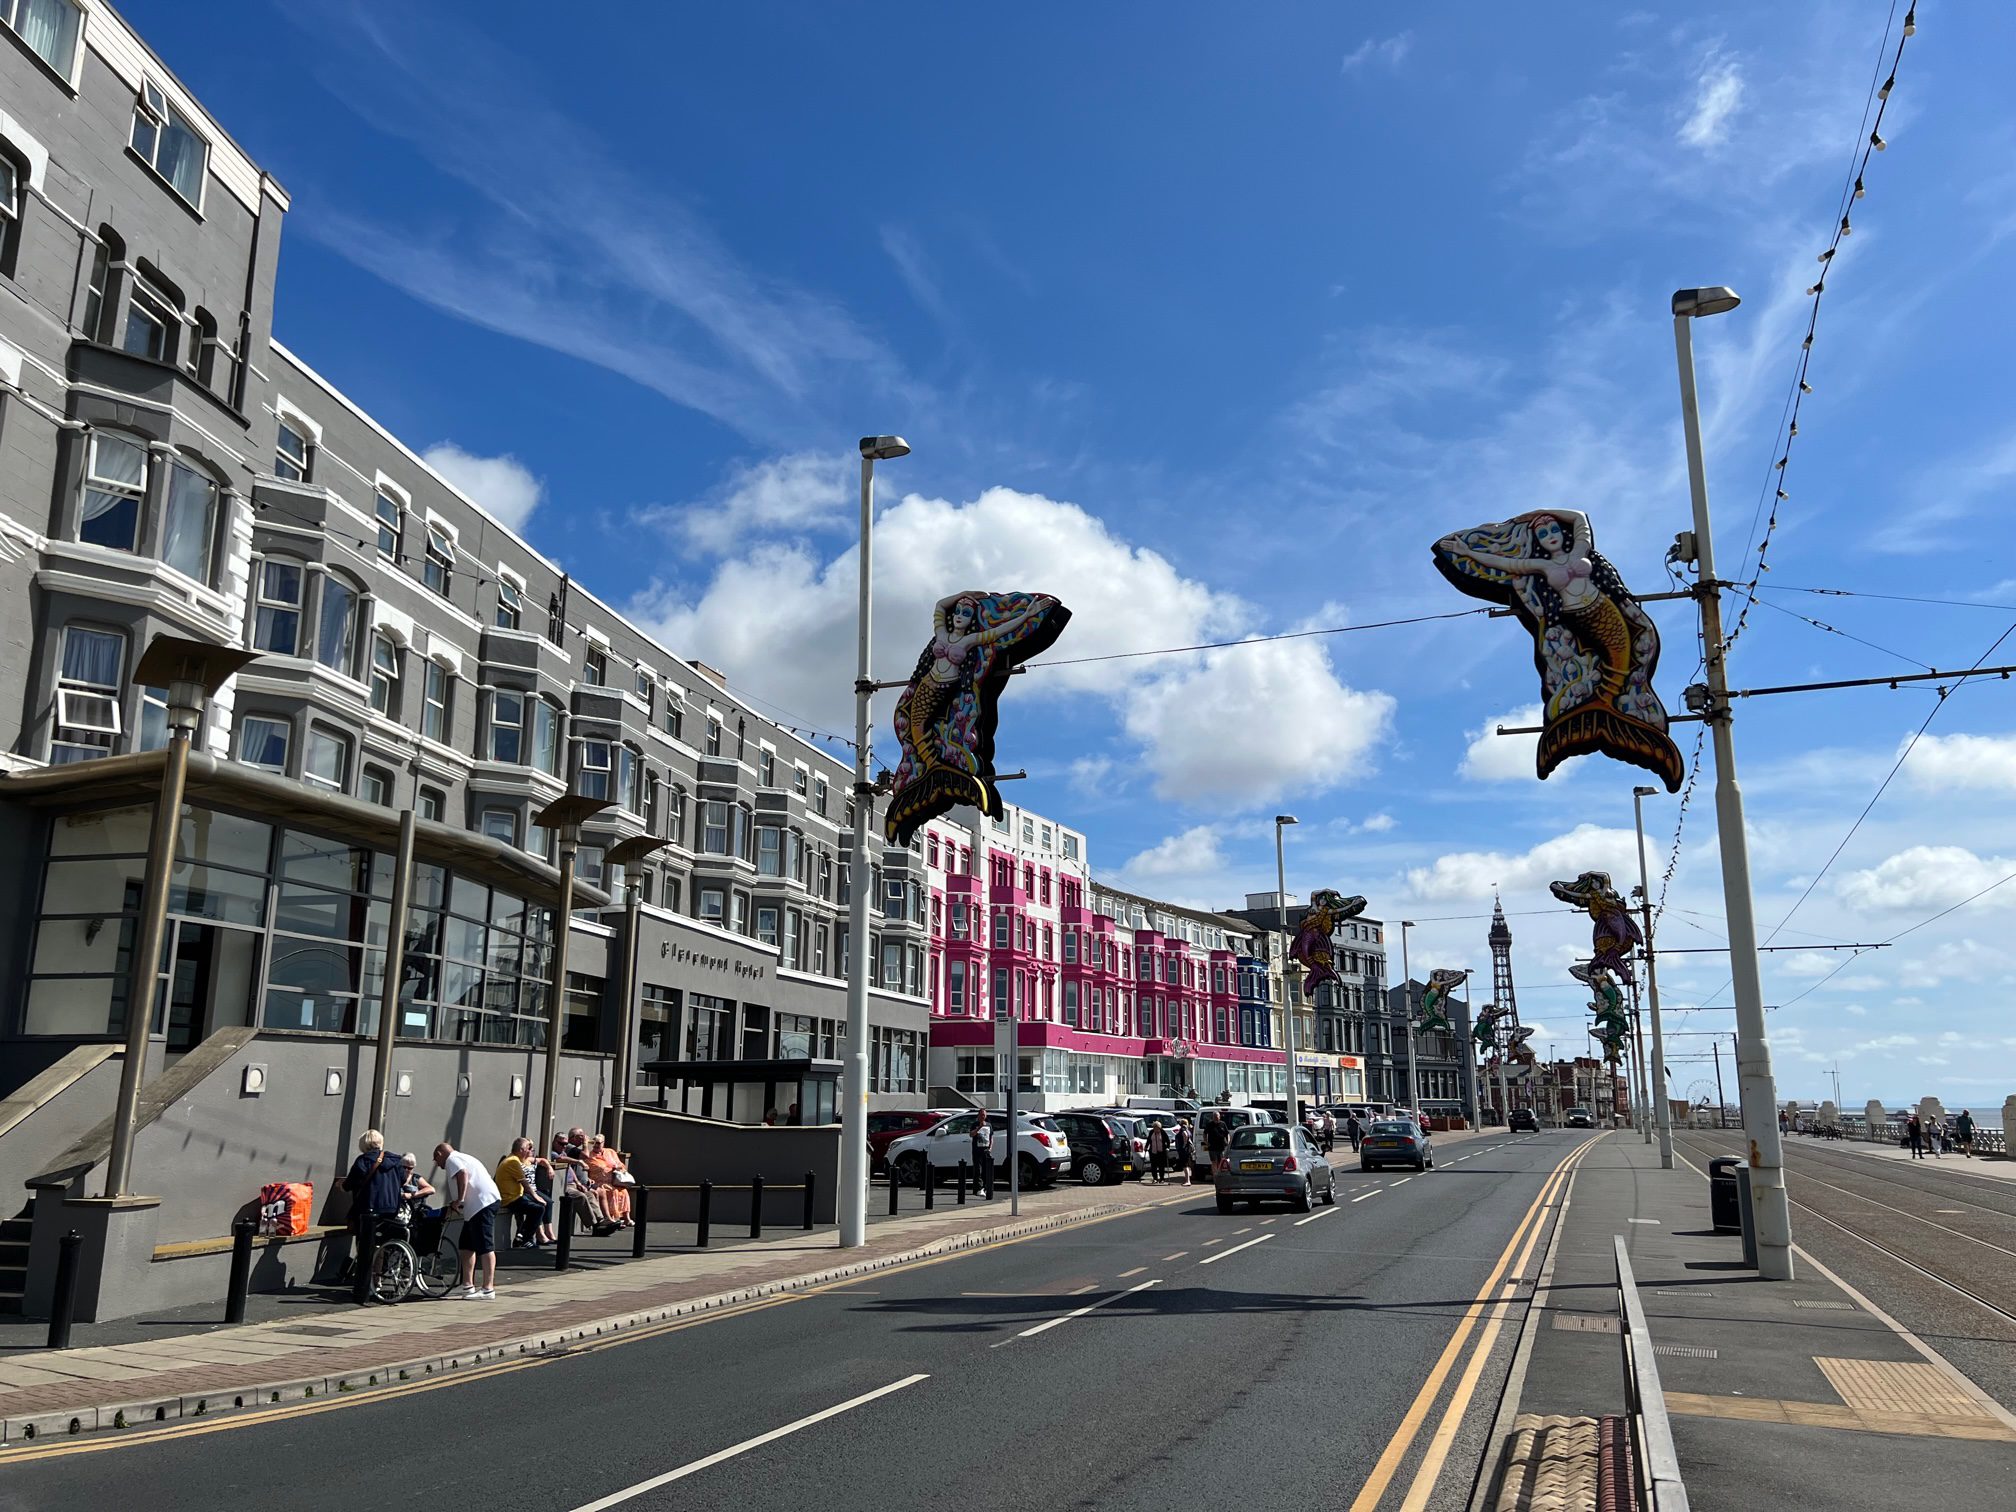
(1503, 996)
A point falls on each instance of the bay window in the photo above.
(263, 742)
(88, 690)
(325, 760)
(276, 619)
(593, 781)
(115, 482)
(545, 737)
(713, 827)
(507, 726)
(336, 626)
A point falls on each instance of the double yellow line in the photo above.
(1499, 1288)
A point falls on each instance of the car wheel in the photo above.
(1420, 1163)
(1364, 1165)
(908, 1170)
(1330, 1192)
(1224, 1204)
(1031, 1177)
(1303, 1201)
(1091, 1172)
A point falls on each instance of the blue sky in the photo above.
(1210, 321)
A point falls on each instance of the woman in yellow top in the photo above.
(603, 1165)
(518, 1190)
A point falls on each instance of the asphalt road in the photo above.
(1137, 1362)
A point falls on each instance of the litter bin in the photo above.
(1725, 1200)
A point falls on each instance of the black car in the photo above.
(1102, 1149)
(1523, 1119)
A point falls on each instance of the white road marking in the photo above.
(616, 1498)
(1403, 1181)
(1373, 1193)
(1320, 1213)
(1134, 1272)
(1030, 1333)
(1644, 1220)
(1167, 1258)
(1246, 1230)
(1235, 1249)
(1079, 1291)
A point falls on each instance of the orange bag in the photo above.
(284, 1207)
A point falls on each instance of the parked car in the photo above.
(1396, 1141)
(1137, 1134)
(1273, 1162)
(1041, 1151)
(1523, 1120)
(1579, 1118)
(1102, 1147)
(890, 1125)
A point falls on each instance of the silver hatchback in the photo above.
(1273, 1162)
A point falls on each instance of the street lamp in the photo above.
(854, 1073)
(565, 815)
(1662, 1111)
(1407, 1024)
(1281, 821)
(192, 672)
(1755, 1088)
(628, 854)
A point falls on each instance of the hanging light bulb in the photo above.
(1817, 287)
(1911, 21)
(1783, 495)
(1888, 85)
(1859, 190)
(1794, 431)
(1780, 464)
(1846, 229)
(1876, 141)
(1827, 255)
(1805, 387)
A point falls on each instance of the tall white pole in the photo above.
(1756, 1091)
(1662, 1110)
(854, 1071)
(1287, 967)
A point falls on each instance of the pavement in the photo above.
(1787, 1395)
(1131, 1359)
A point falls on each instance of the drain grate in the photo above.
(1584, 1323)
(1680, 1292)
(1685, 1351)
(320, 1331)
(1828, 1306)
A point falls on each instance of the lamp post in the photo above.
(1407, 1019)
(564, 815)
(1754, 1081)
(628, 854)
(395, 969)
(854, 1073)
(1662, 1114)
(192, 672)
(1282, 821)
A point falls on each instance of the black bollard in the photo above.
(640, 1211)
(367, 1244)
(895, 1187)
(241, 1270)
(755, 1207)
(563, 1249)
(930, 1186)
(706, 1211)
(64, 1301)
(962, 1183)
(809, 1180)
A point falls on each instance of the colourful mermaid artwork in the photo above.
(945, 718)
(1435, 999)
(1613, 1023)
(1311, 948)
(1614, 931)
(1484, 1033)
(1594, 646)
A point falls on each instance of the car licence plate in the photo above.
(1385, 1144)
(1256, 1165)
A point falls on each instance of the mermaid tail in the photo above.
(1597, 724)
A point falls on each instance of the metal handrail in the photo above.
(1658, 1463)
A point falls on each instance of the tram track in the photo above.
(1862, 1167)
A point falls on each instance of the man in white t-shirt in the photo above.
(469, 1191)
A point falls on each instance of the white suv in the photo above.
(1040, 1147)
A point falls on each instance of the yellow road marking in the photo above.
(1374, 1489)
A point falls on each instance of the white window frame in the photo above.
(497, 722)
(153, 105)
(341, 743)
(388, 677)
(508, 582)
(286, 465)
(441, 557)
(428, 703)
(263, 601)
(69, 71)
(276, 721)
(383, 492)
(149, 299)
(75, 730)
(606, 768)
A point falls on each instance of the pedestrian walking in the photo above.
(1186, 1150)
(1216, 1137)
(1914, 1132)
(1329, 1131)
(473, 1194)
(1158, 1152)
(983, 1156)
(1964, 1128)
(1356, 1131)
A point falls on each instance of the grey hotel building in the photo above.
(168, 469)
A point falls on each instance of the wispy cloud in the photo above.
(609, 268)
(787, 496)
(1379, 52)
(503, 485)
(1718, 95)
(914, 268)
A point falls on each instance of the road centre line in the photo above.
(1246, 1230)
(1403, 1181)
(1079, 1291)
(1134, 1272)
(1214, 1259)
(617, 1498)
(1030, 1333)
(1373, 1193)
(1373, 1492)
(1219, 1240)
(1167, 1258)
(1319, 1213)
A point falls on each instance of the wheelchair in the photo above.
(412, 1254)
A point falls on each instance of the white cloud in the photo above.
(1926, 876)
(915, 270)
(1237, 727)
(1857, 1010)
(785, 495)
(1492, 757)
(1473, 874)
(1388, 52)
(1193, 853)
(1379, 824)
(1718, 95)
(503, 485)
(1944, 762)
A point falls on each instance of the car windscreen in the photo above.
(1260, 1137)
(1390, 1128)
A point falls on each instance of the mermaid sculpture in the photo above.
(1614, 931)
(1613, 1023)
(945, 718)
(1596, 649)
(1435, 1000)
(1311, 948)
(1484, 1033)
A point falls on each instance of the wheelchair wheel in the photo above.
(394, 1267)
(439, 1269)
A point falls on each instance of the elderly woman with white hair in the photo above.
(374, 1183)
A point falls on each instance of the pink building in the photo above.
(1111, 994)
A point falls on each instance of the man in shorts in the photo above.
(470, 1192)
